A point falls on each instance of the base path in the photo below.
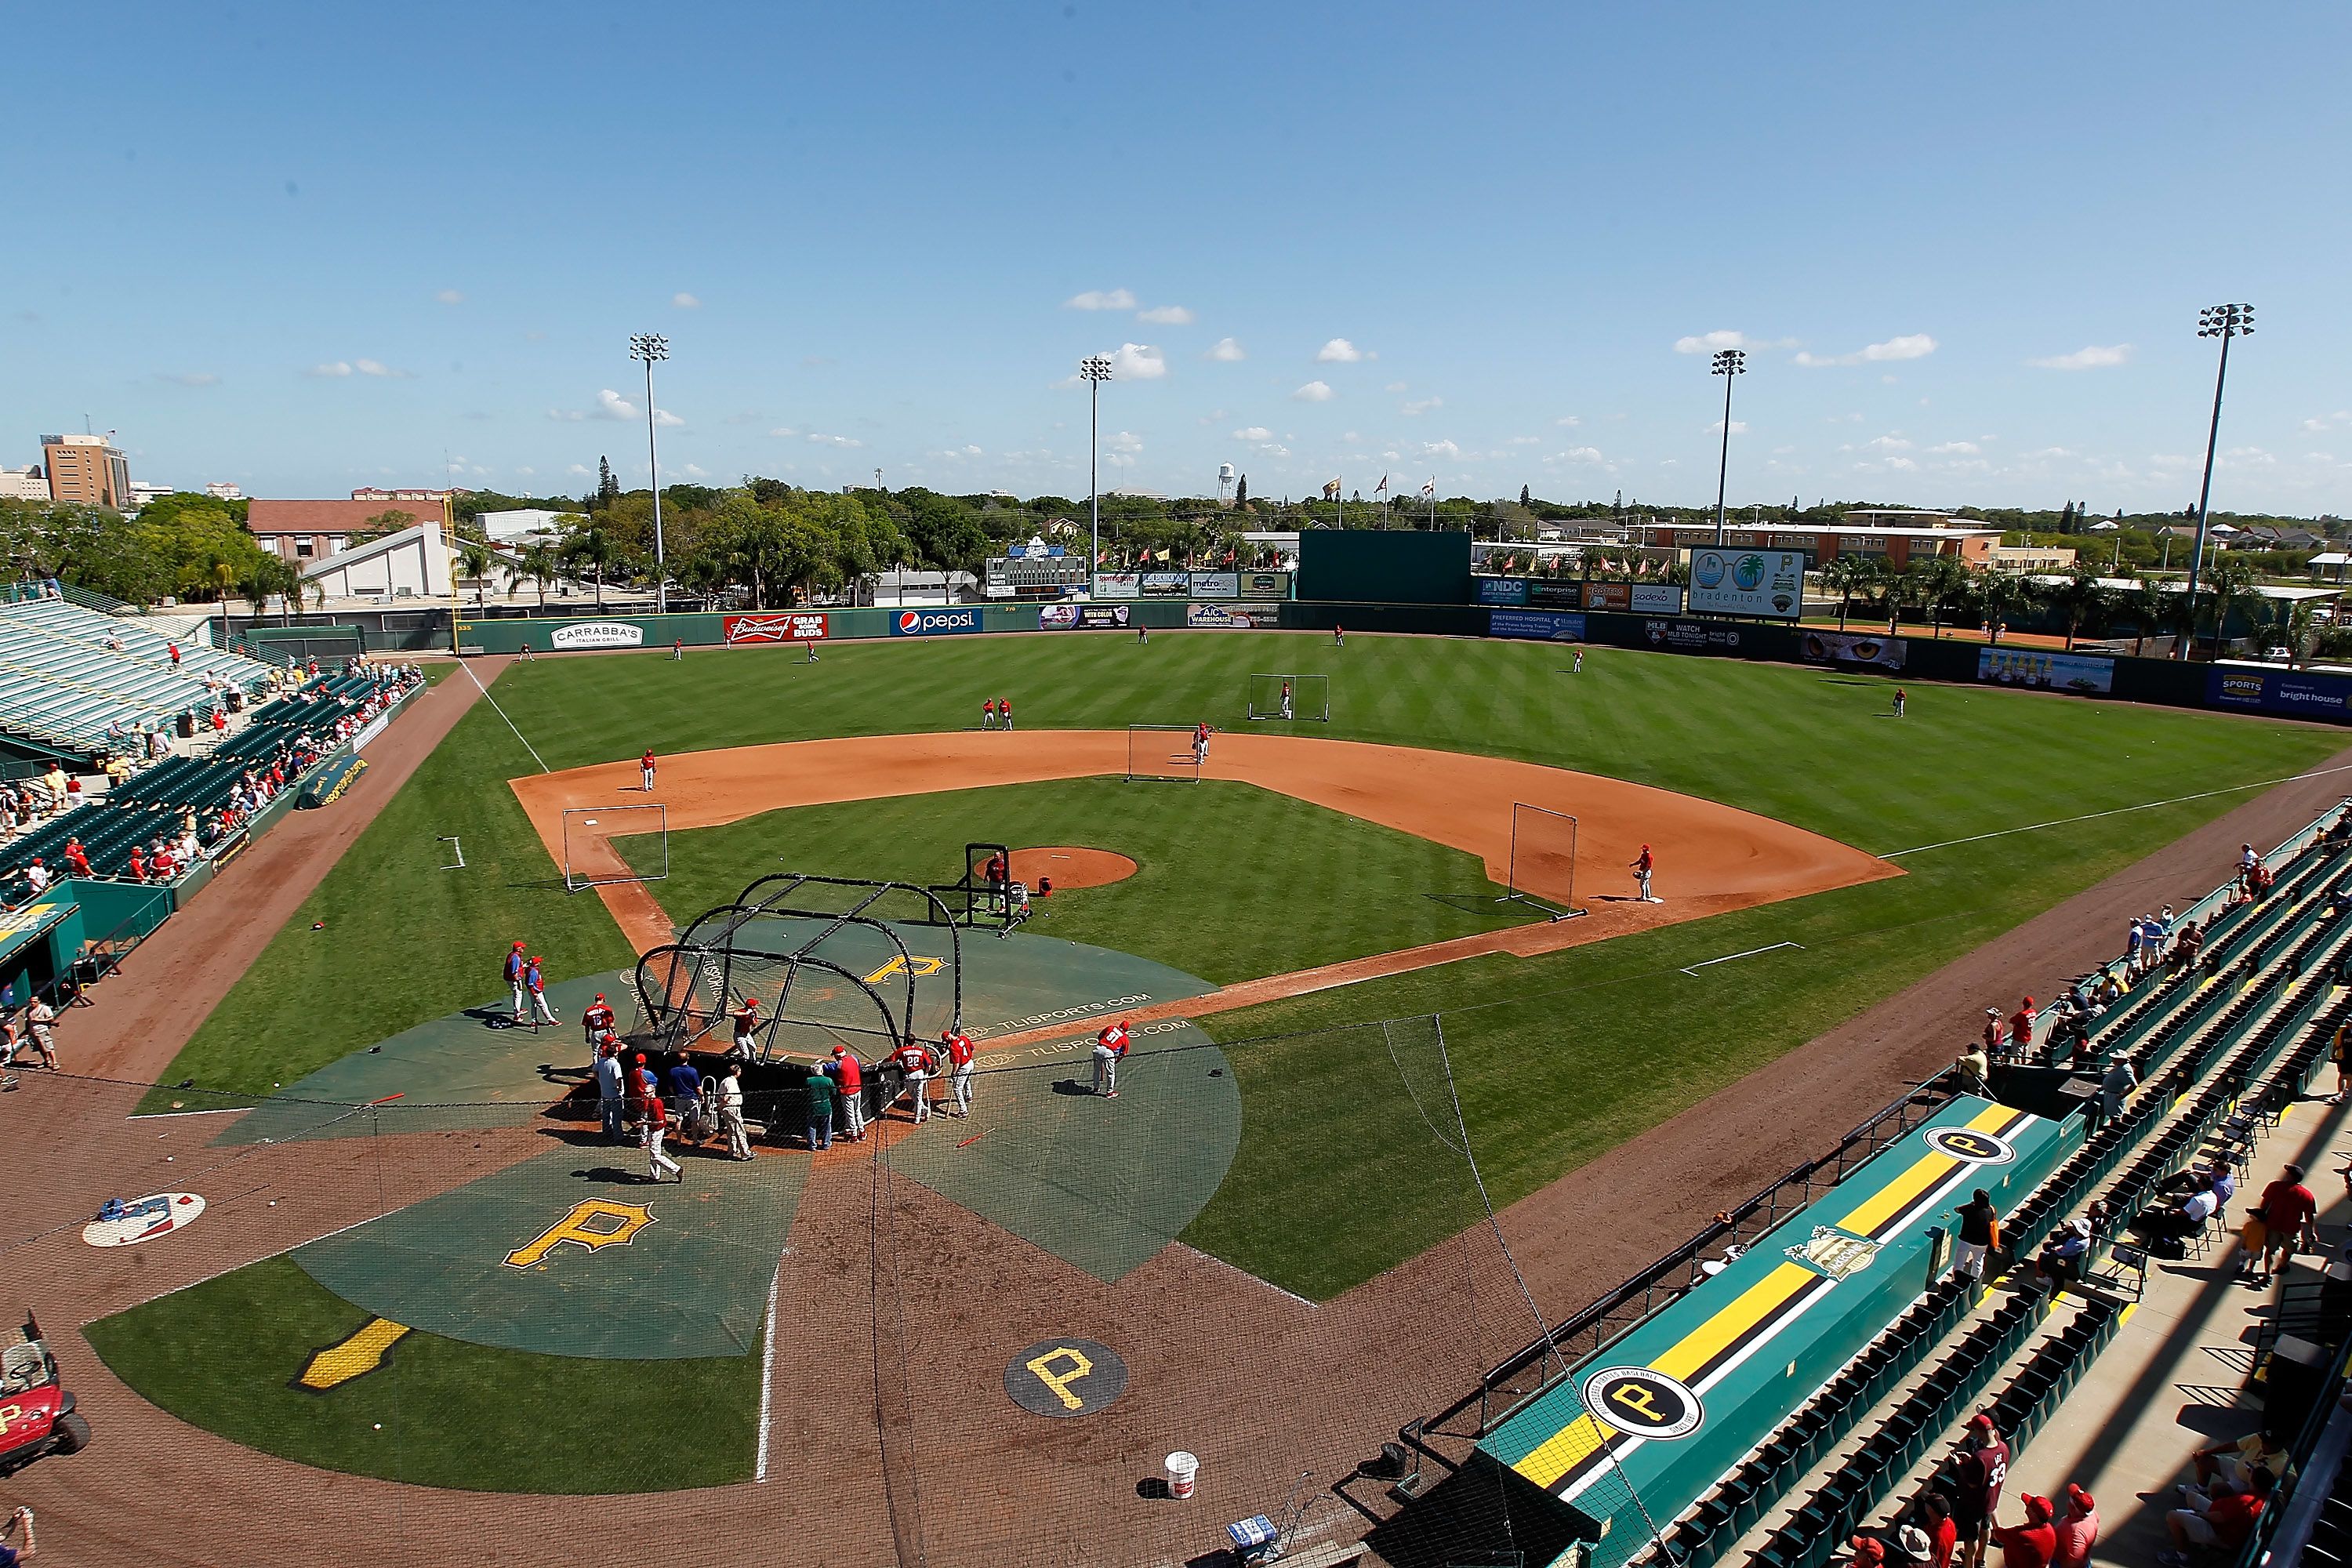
(1711, 858)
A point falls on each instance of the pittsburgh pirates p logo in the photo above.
(898, 965)
(1643, 1403)
(1066, 1377)
(592, 1223)
(1970, 1147)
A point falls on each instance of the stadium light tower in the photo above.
(1728, 363)
(1096, 368)
(2223, 321)
(649, 347)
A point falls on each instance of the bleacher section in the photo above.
(151, 804)
(1684, 1477)
(63, 685)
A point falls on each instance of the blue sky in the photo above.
(309, 247)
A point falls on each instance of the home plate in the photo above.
(144, 1219)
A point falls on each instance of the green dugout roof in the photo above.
(1652, 1422)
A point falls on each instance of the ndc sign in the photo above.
(933, 622)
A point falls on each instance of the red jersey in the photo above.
(914, 1059)
(646, 761)
(599, 1017)
(988, 708)
(1115, 1037)
(958, 1047)
(1004, 706)
(2026, 1545)
(2288, 1207)
(853, 1076)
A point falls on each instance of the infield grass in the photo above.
(439, 1413)
(1556, 1058)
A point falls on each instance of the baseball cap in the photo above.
(1980, 1421)
(2079, 1498)
(600, 995)
(517, 947)
(641, 1059)
(2037, 1507)
(1869, 1549)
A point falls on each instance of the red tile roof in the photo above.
(270, 518)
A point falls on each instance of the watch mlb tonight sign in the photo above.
(1763, 583)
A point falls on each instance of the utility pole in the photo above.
(649, 347)
(1096, 368)
(1727, 364)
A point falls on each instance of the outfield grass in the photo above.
(1200, 849)
(1557, 1058)
(440, 1413)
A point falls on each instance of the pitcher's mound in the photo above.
(1070, 868)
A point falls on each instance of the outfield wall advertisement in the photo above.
(1228, 616)
(2045, 671)
(1765, 584)
(934, 623)
(1851, 649)
(1691, 636)
(788, 627)
(1083, 617)
(576, 635)
(1541, 626)
(2278, 692)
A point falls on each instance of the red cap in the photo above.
(2037, 1508)
(1980, 1420)
(1869, 1549)
(2079, 1498)
(641, 1059)
(600, 995)
(517, 947)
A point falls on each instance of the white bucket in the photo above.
(1183, 1468)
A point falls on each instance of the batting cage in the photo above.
(434, 1283)
(1296, 697)
(1165, 752)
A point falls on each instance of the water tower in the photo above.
(1224, 484)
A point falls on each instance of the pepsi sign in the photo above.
(933, 622)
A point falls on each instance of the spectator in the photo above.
(2232, 1465)
(2033, 1544)
(1979, 1236)
(822, 1092)
(2288, 1211)
(2064, 1254)
(1936, 1519)
(2078, 1530)
(1978, 1474)
(2115, 1087)
(1995, 1036)
(2223, 1522)
(1975, 1070)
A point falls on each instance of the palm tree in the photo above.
(2233, 582)
(2299, 624)
(2149, 605)
(1943, 581)
(1847, 576)
(2083, 598)
(586, 543)
(476, 559)
(1896, 590)
(533, 564)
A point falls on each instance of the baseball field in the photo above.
(1351, 1051)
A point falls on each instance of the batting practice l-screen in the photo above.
(1162, 752)
(1296, 697)
(1541, 871)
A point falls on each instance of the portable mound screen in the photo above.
(1290, 697)
(589, 863)
(1542, 870)
(1161, 752)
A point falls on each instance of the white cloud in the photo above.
(1274, 449)
(1567, 422)
(2247, 456)
(1167, 316)
(1395, 386)
(2051, 452)
(1339, 351)
(684, 302)
(2090, 357)
(824, 440)
(1225, 349)
(1960, 449)
(450, 296)
(1714, 342)
(784, 430)
(611, 405)
(697, 471)
(1577, 455)
(2325, 422)
(1253, 433)
(1214, 416)
(528, 473)
(581, 468)
(1314, 392)
(1423, 405)
(1888, 444)
(1525, 441)
(1137, 362)
(1739, 427)
(1100, 299)
(191, 378)
(333, 367)
(1126, 441)
(1913, 346)
(377, 367)
(1439, 449)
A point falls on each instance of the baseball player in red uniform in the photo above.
(958, 1046)
(1644, 864)
(1005, 712)
(851, 1078)
(1110, 1048)
(513, 970)
(655, 1129)
(1201, 743)
(597, 1022)
(645, 769)
(747, 1026)
(988, 713)
(916, 1061)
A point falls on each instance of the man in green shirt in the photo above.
(822, 1092)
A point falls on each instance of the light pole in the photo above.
(1728, 363)
(649, 347)
(1096, 368)
(2223, 321)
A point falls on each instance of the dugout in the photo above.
(1391, 566)
(37, 945)
(1634, 1435)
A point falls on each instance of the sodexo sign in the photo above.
(933, 622)
(598, 634)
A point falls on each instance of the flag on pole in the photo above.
(1430, 488)
(1382, 486)
(1331, 490)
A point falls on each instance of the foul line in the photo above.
(1726, 958)
(768, 1375)
(2116, 811)
(502, 713)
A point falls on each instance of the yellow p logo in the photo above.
(592, 1223)
(921, 965)
(1080, 1367)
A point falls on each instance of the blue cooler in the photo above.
(1253, 1533)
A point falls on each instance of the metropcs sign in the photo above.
(598, 634)
(933, 622)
